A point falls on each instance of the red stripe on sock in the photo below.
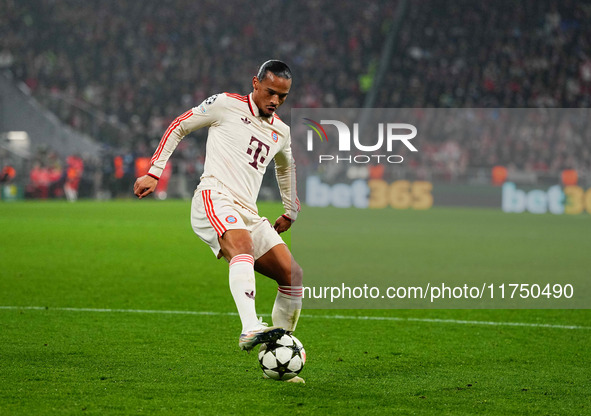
(291, 291)
(246, 258)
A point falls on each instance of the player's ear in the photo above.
(255, 82)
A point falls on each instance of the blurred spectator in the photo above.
(7, 174)
(123, 80)
(74, 170)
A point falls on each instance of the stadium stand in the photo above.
(120, 71)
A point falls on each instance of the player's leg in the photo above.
(237, 247)
(279, 265)
(216, 222)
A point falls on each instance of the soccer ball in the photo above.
(282, 359)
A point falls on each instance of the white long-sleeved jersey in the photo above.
(240, 145)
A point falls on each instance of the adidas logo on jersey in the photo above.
(245, 120)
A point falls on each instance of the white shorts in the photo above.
(214, 212)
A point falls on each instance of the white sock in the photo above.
(287, 307)
(243, 288)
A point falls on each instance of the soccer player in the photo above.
(244, 136)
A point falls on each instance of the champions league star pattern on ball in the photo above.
(282, 359)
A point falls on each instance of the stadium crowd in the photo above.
(503, 54)
(121, 70)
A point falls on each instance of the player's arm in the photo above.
(286, 179)
(204, 115)
(144, 186)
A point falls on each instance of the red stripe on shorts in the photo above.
(213, 219)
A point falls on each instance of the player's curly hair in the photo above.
(278, 68)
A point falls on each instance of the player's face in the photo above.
(270, 93)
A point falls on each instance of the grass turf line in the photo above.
(143, 255)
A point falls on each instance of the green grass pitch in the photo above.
(118, 308)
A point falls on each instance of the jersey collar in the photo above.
(254, 110)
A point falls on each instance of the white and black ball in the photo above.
(282, 359)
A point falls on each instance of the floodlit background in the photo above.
(112, 305)
(100, 81)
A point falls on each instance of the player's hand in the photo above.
(282, 224)
(144, 186)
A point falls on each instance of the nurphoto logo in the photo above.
(388, 134)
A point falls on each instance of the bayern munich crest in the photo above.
(230, 219)
(274, 136)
